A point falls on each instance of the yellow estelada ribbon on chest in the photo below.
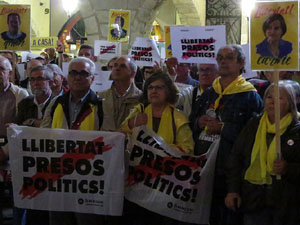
(239, 85)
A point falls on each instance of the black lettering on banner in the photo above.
(28, 162)
(271, 61)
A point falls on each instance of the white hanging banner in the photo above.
(197, 44)
(67, 170)
(144, 51)
(107, 50)
(248, 72)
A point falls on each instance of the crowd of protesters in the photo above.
(189, 111)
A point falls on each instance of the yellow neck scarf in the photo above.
(165, 129)
(239, 85)
(262, 158)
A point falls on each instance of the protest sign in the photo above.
(39, 43)
(197, 44)
(248, 72)
(119, 25)
(15, 27)
(144, 52)
(270, 50)
(67, 170)
(168, 182)
(168, 47)
(101, 81)
(107, 50)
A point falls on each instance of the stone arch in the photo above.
(95, 14)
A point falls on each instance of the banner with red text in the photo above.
(168, 182)
(15, 27)
(144, 52)
(274, 36)
(197, 44)
(67, 170)
(107, 50)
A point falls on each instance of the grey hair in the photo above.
(240, 54)
(47, 72)
(288, 88)
(55, 68)
(85, 60)
(4, 59)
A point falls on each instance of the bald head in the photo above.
(32, 63)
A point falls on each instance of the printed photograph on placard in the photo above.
(274, 36)
(119, 25)
(15, 27)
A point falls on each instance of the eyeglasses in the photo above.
(82, 73)
(226, 57)
(37, 79)
(157, 87)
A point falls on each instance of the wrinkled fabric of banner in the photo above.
(168, 182)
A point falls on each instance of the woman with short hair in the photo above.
(253, 166)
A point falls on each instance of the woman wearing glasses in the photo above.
(158, 113)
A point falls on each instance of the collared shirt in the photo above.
(41, 106)
(75, 108)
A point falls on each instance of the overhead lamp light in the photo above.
(69, 6)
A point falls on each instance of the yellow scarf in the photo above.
(262, 158)
(87, 124)
(165, 129)
(239, 85)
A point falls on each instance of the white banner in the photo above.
(197, 44)
(101, 81)
(249, 73)
(67, 170)
(144, 51)
(167, 181)
(107, 50)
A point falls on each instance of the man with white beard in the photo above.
(32, 108)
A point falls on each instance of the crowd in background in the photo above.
(189, 106)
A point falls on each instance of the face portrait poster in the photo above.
(119, 25)
(15, 27)
(274, 36)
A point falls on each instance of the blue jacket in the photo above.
(285, 48)
(234, 111)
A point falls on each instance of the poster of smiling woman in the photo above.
(15, 27)
(274, 36)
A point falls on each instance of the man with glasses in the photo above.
(181, 72)
(187, 97)
(222, 111)
(31, 109)
(77, 109)
(123, 94)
